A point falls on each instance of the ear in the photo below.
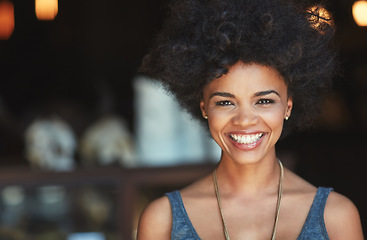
(288, 111)
(202, 108)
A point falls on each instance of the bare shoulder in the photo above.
(342, 218)
(202, 186)
(155, 221)
(298, 184)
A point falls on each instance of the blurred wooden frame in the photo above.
(127, 182)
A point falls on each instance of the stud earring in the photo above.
(286, 118)
(205, 117)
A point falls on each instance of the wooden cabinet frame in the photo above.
(127, 182)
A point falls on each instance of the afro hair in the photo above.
(201, 39)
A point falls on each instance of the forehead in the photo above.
(245, 78)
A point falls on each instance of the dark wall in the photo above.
(79, 65)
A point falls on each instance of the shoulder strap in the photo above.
(181, 225)
(314, 227)
(319, 202)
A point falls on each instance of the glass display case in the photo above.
(85, 204)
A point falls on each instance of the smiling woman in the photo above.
(248, 70)
(246, 109)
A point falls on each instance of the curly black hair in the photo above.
(202, 39)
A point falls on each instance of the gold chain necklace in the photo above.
(280, 191)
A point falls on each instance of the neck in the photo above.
(279, 198)
(248, 179)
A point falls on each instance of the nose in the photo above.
(245, 116)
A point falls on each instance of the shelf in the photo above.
(127, 182)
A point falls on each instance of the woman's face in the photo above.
(246, 109)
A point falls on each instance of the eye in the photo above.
(223, 103)
(265, 101)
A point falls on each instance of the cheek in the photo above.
(274, 119)
(217, 123)
(218, 117)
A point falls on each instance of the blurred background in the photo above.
(86, 143)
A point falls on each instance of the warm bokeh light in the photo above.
(360, 12)
(319, 16)
(6, 19)
(46, 9)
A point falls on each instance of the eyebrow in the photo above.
(264, 93)
(230, 95)
(222, 94)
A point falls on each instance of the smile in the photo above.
(246, 139)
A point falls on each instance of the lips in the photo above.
(246, 141)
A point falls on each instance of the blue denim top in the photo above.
(314, 227)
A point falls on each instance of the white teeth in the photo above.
(246, 139)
